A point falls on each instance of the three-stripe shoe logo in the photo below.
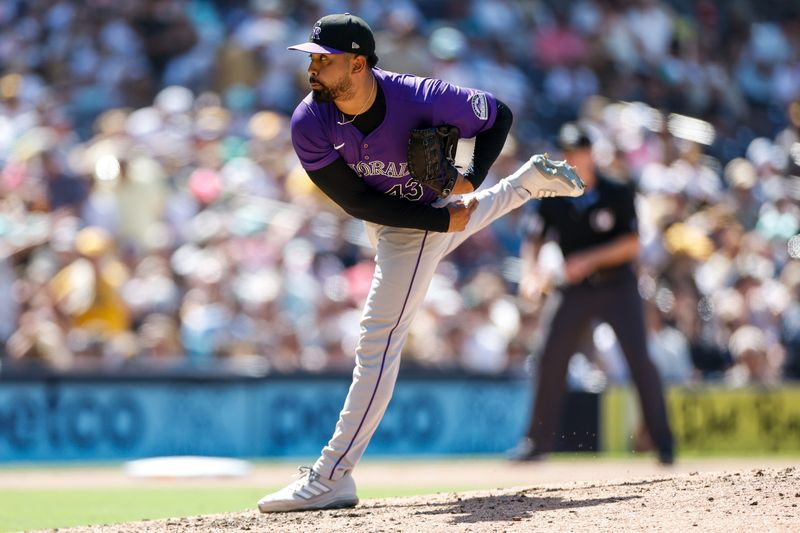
(312, 489)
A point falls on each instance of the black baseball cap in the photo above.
(339, 34)
(573, 136)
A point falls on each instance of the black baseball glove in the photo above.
(431, 158)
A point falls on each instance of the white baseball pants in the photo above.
(406, 260)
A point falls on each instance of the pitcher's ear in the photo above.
(358, 63)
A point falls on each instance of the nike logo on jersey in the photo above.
(337, 147)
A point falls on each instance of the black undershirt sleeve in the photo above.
(488, 145)
(342, 185)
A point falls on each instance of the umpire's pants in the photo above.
(620, 305)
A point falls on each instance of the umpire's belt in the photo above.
(610, 276)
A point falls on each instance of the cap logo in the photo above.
(354, 46)
(315, 32)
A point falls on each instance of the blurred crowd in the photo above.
(154, 216)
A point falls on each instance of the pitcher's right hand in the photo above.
(460, 213)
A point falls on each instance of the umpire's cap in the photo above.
(572, 136)
(339, 34)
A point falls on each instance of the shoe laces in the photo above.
(547, 164)
(554, 167)
(305, 475)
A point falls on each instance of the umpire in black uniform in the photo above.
(598, 237)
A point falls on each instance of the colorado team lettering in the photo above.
(379, 168)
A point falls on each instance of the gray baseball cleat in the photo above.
(544, 178)
(310, 492)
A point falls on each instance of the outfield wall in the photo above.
(98, 420)
(61, 419)
(711, 420)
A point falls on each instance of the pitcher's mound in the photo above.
(762, 500)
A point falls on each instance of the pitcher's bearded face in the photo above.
(322, 92)
(329, 77)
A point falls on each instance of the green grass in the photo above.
(58, 508)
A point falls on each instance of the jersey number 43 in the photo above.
(411, 190)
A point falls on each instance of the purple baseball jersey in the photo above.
(381, 158)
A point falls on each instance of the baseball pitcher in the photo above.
(382, 145)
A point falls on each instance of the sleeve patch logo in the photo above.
(479, 105)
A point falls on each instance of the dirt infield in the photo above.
(758, 499)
